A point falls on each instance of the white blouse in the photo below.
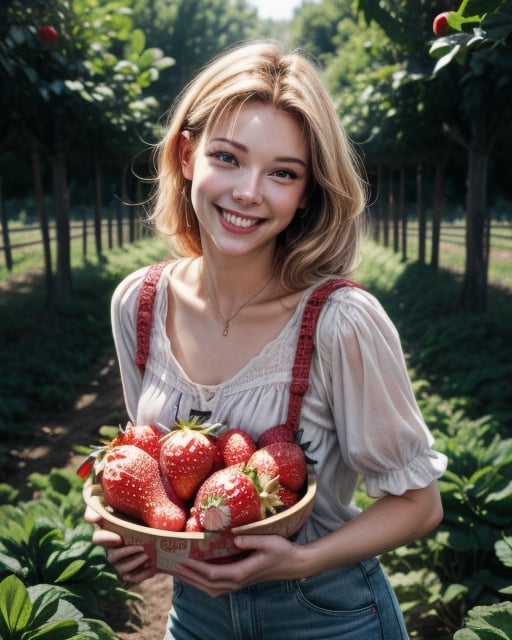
(359, 413)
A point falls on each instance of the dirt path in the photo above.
(101, 402)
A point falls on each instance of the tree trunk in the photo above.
(378, 205)
(438, 213)
(60, 191)
(43, 222)
(84, 236)
(5, 231)
(388, 210)
(396, 225)
(422, 220)
(123, 204)
(403, 214)
(97, 207)
(474, 286)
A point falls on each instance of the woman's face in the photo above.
(249, 176)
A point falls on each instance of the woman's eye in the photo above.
(223, 156)
(284, 173)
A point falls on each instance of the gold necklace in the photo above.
(227, 321)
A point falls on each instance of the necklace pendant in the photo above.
(226, 329)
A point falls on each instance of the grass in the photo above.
(31, 258)
(452, 249)
(46, 356)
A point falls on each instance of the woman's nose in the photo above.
(248, 190)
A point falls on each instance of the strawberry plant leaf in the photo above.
(503, 550)
(61, 630)
(57, 617)
(10, 564)
(15, 605)
(45, 600)
(71, 569)
(488, 623)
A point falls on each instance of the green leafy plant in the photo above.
(62, 487)
(43, 613)
(47, 546)
(39, 546)
(21, 618)
(460, 565)
(488, 623)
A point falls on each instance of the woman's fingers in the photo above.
(132, 563)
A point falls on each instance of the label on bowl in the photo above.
(166, 552)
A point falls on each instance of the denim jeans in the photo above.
(353, 603)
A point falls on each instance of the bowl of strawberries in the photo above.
(186, 492)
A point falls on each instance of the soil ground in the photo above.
(101, 402)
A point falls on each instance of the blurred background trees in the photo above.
(85, 87)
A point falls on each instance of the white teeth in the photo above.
(244, 223)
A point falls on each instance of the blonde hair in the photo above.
(321, 240)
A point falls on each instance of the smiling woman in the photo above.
(260, 190)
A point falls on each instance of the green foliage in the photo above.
(62, 487)
(192, 32)
(53, 577)
(462, 563)
(21, 618)
(8, 494)
(42, 612)
(488, 623)
(476, 26)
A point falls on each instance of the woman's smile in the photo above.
(241, 223)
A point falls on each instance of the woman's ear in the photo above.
(186, 155)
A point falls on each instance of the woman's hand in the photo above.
(387, 524)
(271, 558)
(130, 561)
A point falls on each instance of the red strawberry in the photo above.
(187, 456)
(283, 459)
(193, 525)
(171, 494)
(218, 462)
(146, 437)
(131, 484)
(280, 433)
(440, 25)
(235, 446)
(288, 497)
(86, 467)
(48, 34)
(228, 498)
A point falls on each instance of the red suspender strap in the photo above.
(304, 350)
(146, 301)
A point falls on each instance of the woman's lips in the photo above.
(242, 223)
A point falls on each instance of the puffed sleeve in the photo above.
(123, 318)
(380, 428)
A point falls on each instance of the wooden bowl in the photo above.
(166, 548)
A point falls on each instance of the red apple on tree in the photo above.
(48, 34)
(440, 25)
